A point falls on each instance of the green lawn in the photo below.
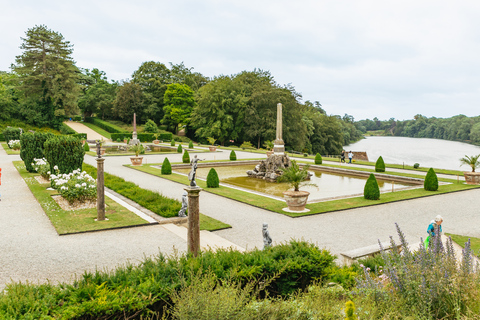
(315, 208)
(461, 240)
(8, 150)
(67, 222)
(98, 130)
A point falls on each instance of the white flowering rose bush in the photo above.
(41, 166)
(75, 186)
(14, 144)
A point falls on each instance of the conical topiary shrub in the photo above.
(431, 181)
(212, 179)
(318, 159)
(190, 145)
(172, 143)
(380, 165)
(233, 156)
(371, 190)
(186, 157)
(166, 167)
(86, 147)
(179, 148)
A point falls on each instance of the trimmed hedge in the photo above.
(66, 152)
(11, 134)
(212, 179)
(371, 190)
(2, 138)
(380, 165)
(32, 147)
(318, 159)
(431, 181)
(172, 143)
(143, 137)
(233, 156)
(190, 145)
(143, 291)
(186, 157)
(179, 148)
(111, 128)
(166, 167)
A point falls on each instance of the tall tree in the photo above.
(129, 100)
(179, 102)
(98, 94)
(9, 106)
(48, 76)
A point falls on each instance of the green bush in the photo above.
(186, 157)
(150, 126)
(138, 290)
(172, 143)
(431, 181)
(179, 148)
(380, 165)
(166, 167)
(212, 179)
(247, 145)
(233, 155)
(64, 152)
(190, 145)
(318, 159)
(11, 134)
(32, 147)
(371, 190)
(86, 147)
(416, 165)
(111, 128)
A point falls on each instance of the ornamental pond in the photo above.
(329, 185)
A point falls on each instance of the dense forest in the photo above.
(457, 128)
(44, 86)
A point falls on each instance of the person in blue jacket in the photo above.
(434, 229)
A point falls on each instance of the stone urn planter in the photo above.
(472, 177)
(136, 161)
(156, 141)
(296, 200)
(212, 148)
(102, 151)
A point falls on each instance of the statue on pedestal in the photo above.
(182, 211)
(267, 240)
(193, 172)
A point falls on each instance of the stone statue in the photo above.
(267, 240)
(191, 175)
(182, 211)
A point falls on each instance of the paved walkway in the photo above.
(31, 250)
(81, 128)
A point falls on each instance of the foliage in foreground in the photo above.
(143, 290)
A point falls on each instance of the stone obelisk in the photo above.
(134, 135)
(278, 145)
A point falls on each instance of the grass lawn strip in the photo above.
(98, 130)
(315, 208)
(461, 240)
(75, 221)
(8, 150)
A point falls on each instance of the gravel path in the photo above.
(31, 250)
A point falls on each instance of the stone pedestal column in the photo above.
(278, 144)
(193, 233)
(100, 190)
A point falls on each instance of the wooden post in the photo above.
(100, 190)
(193, 233)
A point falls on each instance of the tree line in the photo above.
(45, 86)
(456, 128)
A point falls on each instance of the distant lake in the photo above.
(434, 153)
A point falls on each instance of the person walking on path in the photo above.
(350, 156)
(342, 156)
(434, 229)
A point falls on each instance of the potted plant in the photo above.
(212, 140)
(269, 146)
(473, 161)
(156, 141)
(295, 177)
(137, 148)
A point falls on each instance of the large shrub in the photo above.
(166, 167)
(212, 179)
(11, 134)
(380, 165)
(431, 181)
(150, 126)
(371, 190)
(64, 152)
(186, 157)
(318, 159)
(233, 155)
(32, 147)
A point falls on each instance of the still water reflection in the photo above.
(328, 185)
(434, 153)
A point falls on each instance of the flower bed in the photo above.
(75, 186)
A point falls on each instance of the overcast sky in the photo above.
(385, 59)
